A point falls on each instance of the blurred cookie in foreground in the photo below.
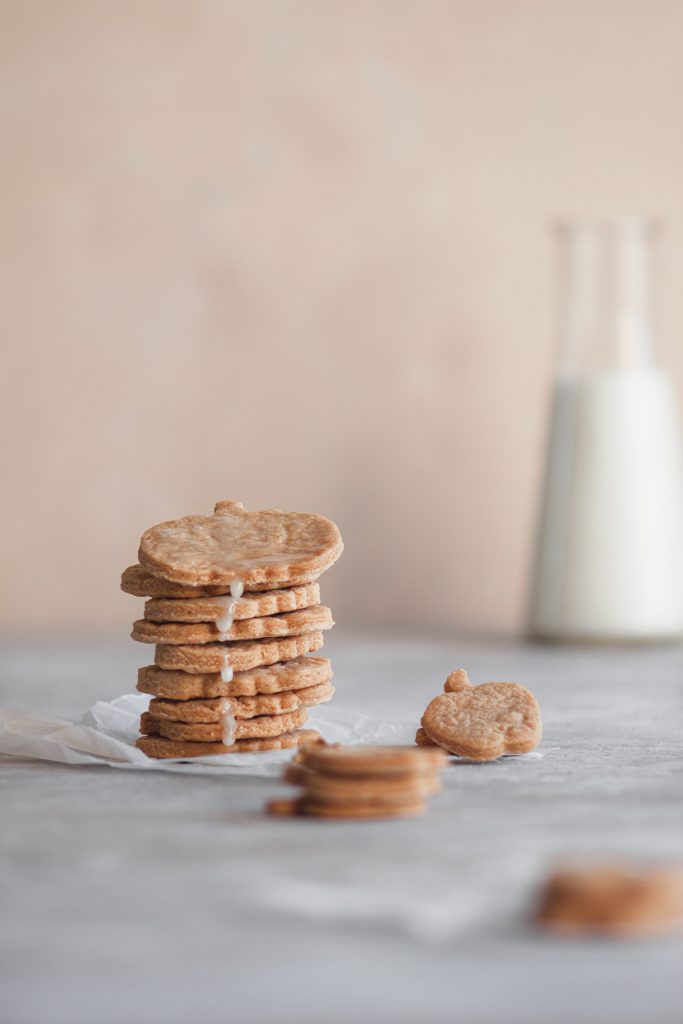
(360, 782)
(612, 899)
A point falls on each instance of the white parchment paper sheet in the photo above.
(107, 732)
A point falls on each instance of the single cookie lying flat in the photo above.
(214, 709)
(484, 722)
(272, 547)
(361, 760)
(362, 789)
(262, 727)
(297, 674)
(308, 806)
(159, 747)
(613, 899)
(238, 656)
(249, 606)
(308, 620)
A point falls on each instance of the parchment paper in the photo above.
(107, 732)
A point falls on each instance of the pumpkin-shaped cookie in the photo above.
(270, 547)
(484, 722)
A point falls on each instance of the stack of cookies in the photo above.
(361, 782)
(234, 611)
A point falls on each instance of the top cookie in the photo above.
(268, 547)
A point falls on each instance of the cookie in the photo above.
(297, 674)
(458, 680)
(355, 761)
(159, 747)
(140, 582)
(216, 609)
(213, 710)
(484, 722)
(308, 620)
(613, 900)
(267, 547)
(239, 657)
(282, 808)
(262, 727)
(423, 740)
(314, 807)
(361, 790)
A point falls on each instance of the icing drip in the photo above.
(224, 621)
(226, 670)
(227, 723)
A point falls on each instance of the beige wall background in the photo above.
(299, 254)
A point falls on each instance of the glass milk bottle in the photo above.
(609, 558)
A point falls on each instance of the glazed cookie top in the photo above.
(267, 547)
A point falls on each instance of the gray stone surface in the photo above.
(132, 896)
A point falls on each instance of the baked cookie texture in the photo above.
(308, 620)
(347, 782)
(481, 722)
(239, 656)
(283, 676)
(160, 747)
(262, 727)
(269, 547)
(250, 606)
(234, 611)
(612, 899)
(213, 709)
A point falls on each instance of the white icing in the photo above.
(227, 723)
(225, 620)
(226, 670)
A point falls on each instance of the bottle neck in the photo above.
(605, 303)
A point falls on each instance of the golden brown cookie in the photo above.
(240, 657)
(297, 674)
(140, 582)
(423, 740)
(613, 899)
(356, 761)
(249, 606)
(484, 722)
(361, 790)
(159, 747)
(262, 727)
(458, 680)
(213, 709)
(282, 808)
(317, 808)
(308, 620)
(272, 547)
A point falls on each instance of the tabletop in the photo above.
(145, 896)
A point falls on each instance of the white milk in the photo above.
(610, 560)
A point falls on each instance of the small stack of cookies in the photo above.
(234, 611)
(361, 782)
